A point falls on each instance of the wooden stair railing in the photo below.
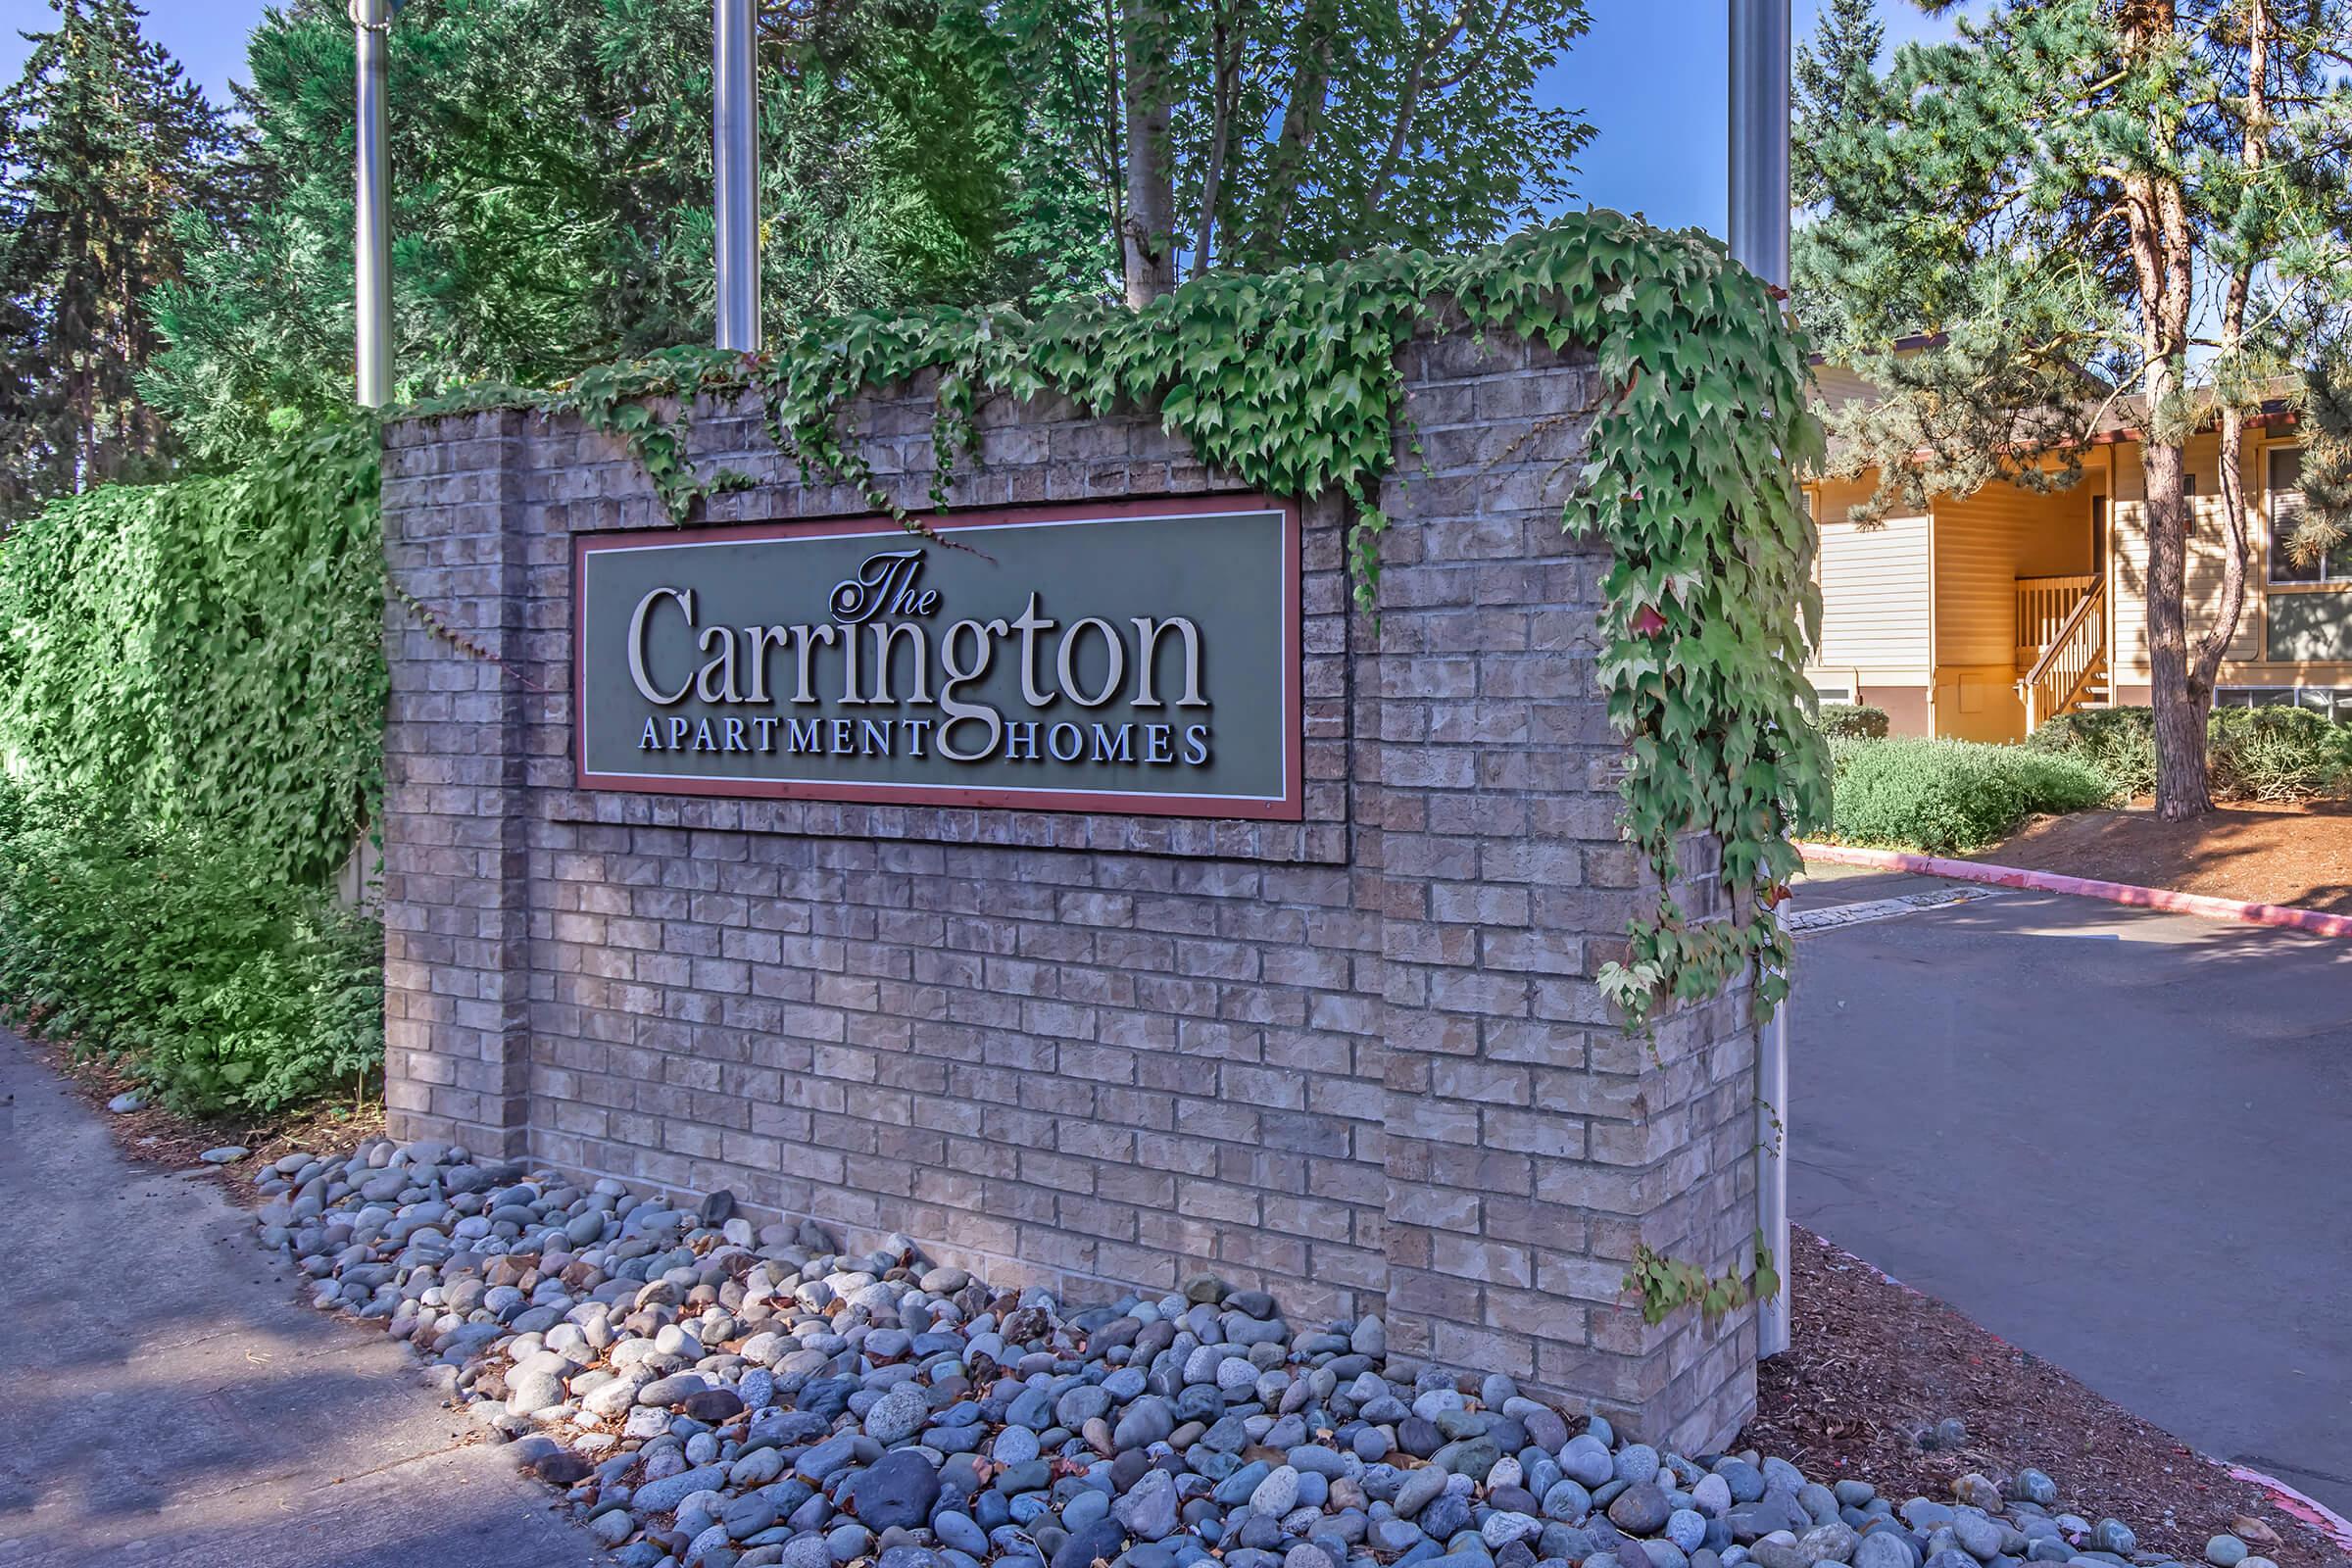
(2071, 664)
(2042, 606)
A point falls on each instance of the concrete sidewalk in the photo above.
(168, 1402)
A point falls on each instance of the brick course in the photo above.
(1360, 1059)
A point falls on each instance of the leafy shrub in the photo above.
(1945, 795)
(192, 693)
(210, 981)
(2277, 753)
(1853, 721)
(2120, 742)
(2252, 753)
(209, 655)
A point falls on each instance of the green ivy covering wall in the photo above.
(192, 692)
(1290, 382)
(207, 656)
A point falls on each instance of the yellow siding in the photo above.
(1982, 545)
(1883, 623)
(1835, 384)
(2128, 582)
(1874, 593)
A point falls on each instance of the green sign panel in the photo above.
(1131, 656)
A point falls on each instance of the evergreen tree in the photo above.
(551, 193)
(2077, 197)
(106, 150)
(551, 170)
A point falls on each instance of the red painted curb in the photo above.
(2314, 921)
(2310, 1510)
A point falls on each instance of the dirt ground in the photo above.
(2296, 855)
(161, 1137)
(1873, 1362)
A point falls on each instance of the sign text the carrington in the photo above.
(1138, 659)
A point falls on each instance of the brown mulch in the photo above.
(154, 1135)
(1874, 1362)
(2298, 855)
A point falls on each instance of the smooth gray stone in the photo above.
(660, 1496)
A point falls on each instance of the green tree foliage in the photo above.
(2077, 198)
(104, 148)
(551, 187)
(551, 168)
(1309, 130)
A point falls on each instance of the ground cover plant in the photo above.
(1945, 795)
(216, 985)
(2253, 753)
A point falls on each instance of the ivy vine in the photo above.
(212, 649)
(1666, 1285)
(207, 656)
(1290, 382)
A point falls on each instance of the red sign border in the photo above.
(1289, 808)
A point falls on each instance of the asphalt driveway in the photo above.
(2120, 1139)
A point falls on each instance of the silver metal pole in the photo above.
(372, 22)
(735, 149)
(1759, 239)
(1759, 139)
(1772, 1177)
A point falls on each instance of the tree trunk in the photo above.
(1301, 117)
(2214, 646)
(2179, 702)
(2163, 255)
(1227, 51)
(1146, 241)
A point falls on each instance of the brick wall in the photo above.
(1360, 1060)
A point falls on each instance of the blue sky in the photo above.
(1650, 76)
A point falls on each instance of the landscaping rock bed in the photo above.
(717, 1394)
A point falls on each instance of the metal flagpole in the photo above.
(735, 149)
(1759, 238)
(1759, 142)
(372, 22)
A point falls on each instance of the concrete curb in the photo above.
(2314, 921)
(2310, 1510)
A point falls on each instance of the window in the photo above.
(2287, 510)
(2333, 703)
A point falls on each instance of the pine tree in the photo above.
(107, 152)
(2086, 201)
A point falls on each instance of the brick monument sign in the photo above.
(1085, 889)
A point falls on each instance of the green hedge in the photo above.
(1853, 721)
(2252, 753)
(192, 692)
(217, 985)
(208, 655)
(1947, 795)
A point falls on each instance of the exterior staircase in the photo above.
(2061, 646)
